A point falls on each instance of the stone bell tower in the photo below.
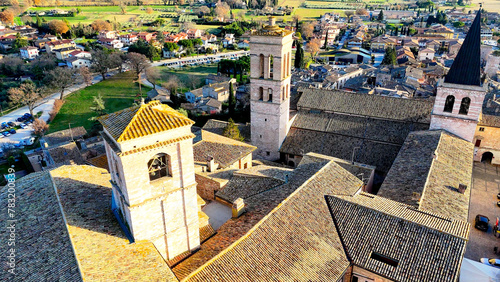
(150, 157)
(270, 72)
(460, 96)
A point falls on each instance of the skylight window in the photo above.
(384, 259)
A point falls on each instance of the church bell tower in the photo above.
(270, 72)
(150, 157)
(460, 96)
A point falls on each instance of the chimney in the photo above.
(462, 188)
(272, 21)
(238, 207)
(211, 164)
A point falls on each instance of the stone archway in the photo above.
(487, 157)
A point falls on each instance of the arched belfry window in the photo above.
(464, 106)
(261, 93)
(261, 65)
(158, 167)
(270, 92)
(448, 105)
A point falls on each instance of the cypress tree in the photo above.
(232, 100)
(299, 55)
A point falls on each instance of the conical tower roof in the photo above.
(465, 69)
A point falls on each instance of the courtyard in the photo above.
(485, 187)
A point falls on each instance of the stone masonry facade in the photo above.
(462, 125)
(163, 211)
(269, 91)
(489, 142)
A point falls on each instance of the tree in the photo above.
(222, 9)
(389, 57)
(313, 47)
(86, 75)
(361, 12)
(42, 64)
(170, 46)
(101, 62)
(232, 131)
(204, 10)
(299, 55)
(19, 42)
(326, 40)
(98, 107)
(58, 27)
(232, 99)
(349, 14)
(138, 62)
(27, 94)
(152, 75)
(307, 30)
(99, 25)
(149, 10)
(7, 16)
(40, 127)
(380, 17)
(458, 24)
(172, 84)
(61, 79)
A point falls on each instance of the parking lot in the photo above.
(485, 187)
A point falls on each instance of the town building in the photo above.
(270, 88)
(29, 52)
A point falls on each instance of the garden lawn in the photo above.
(118, 92)
(190, 77)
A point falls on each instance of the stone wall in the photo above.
(490, 142)
(462, 125)
(207, 187)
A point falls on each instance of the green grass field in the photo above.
(191, 78)
(118, 92)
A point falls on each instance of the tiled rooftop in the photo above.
(217, 127)
(427, 172)
(143, 120)
(378, 154)
(67, 153)
(375, 106)
(103, 251)
(245, 187)
(490, 120)
(43, 248)
(294, 241)
(99, 161)
(64, 136)
(417, 251)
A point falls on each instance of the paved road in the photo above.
(485, 187)
(184, 61)
(45, 105)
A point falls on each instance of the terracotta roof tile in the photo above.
(43, 246)
(427, 172)
(143, 120)
(295, 240)
(103, 251)
(418, 250)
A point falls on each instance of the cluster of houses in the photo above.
(209, 98)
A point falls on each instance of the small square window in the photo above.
(481, 129)
(268, 153)
(265, 119)
(261, 136)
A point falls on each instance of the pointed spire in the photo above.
(466, 66)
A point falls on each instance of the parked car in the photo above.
(491, 262)
(6, 133)
(11, 124)
(22, 125)
(4, 125)
(12, 131)
(28, 141)
(482, 222)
